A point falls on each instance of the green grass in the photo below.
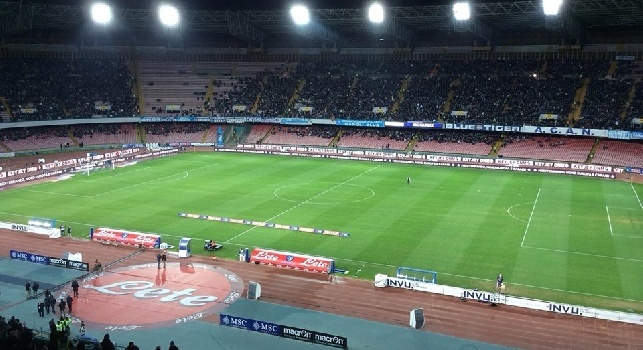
(550, 235)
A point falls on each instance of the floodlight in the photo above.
(101, 13)
(300, 15)
(551, 7)
(461, 11)
(169, 15)
(376, 13)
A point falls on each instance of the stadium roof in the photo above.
(267, 21)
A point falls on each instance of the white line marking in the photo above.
(515, 205)
(151, 181)
(584, 254)
(58, 193)
(637, 196)
(596, 193)
(111, 176)
(530, 216)
(383, 265)
(609, 220)
(304, 202)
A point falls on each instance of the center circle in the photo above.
(145, 297)
(328, 193)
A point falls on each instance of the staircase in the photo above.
(255, 104)
(400, 96)
(592, 151)
(210, 91)
(5, 147)
(495, 147)
(446, 107)
(74, 140)
(612, 69)
(630, 97)
(266, 135)
(8, 116)
(335, 140)
(295, 94)
(354, 83)
(137, 87)
(579, 99)
(543, 68)
(412, 142)
(141, 134)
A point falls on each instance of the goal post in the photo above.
(418, 275)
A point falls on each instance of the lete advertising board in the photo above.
(109, 235)
(292, 260)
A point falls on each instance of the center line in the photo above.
(304, 202)
(529, 221)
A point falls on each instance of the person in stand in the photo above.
(74, 287)
(106, 343)
(131, 346)
(173, 346)
(164, 258)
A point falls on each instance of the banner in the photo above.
(173, 108)
(300, 334)
(250, 324)
(305, 109)
(220, 134)
(420, 124)
(147, 240)
(555, 130)
(239, 108)
(295, 121)
(457, 113)
(25, 256)
(636, 135)
(618, 134)
(58, 262)
(28, 110)
(7, 154)
(103, 107)
(51, 232)
(362, 123)
(292, 261)
(380, 110)
(548, 117)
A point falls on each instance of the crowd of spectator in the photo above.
(604, 102)
(15, 335)
(166, 129)
(38, 89)
(495, 91)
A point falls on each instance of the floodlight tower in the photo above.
(300, 15)
(101, 13)
(551, 9)
(169, 16)
(376, 13)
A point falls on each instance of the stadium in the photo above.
(376, 175)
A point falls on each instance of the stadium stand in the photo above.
(174, 132)
(604, 101)
(257, 133)
(46, 89)
(459, 142)
(375, 138)
(568, 149)
(623, 153)
(301, 135)
(104, 134)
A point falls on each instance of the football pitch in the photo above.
(554, 237)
